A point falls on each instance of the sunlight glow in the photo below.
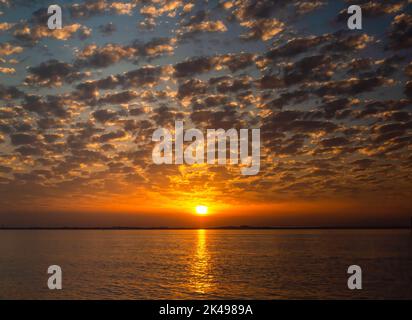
(201, 210)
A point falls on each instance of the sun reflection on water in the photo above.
(201, 278)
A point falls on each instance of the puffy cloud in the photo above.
(99, 57)
(4, 26)
(93, 56)
(251, 9)
(297, 46)
(363, 163)
(88, 8)
(343, 42)
(230, 85)
(51, 106)
(204, 26)
(7, 70)
(400, 34)
(191, 87)
(264, 29)
(303, 7)
(37, 32)
(168, 7)
(7, 49)
(115, 135)
(147, 24)
(235, 61)
(122, 8)
(22, 138)
(118, 98)
(194, 66)
(53, 73)
(315, 68)
(104, 115)
(155, 47)
(271, 82)
(9, 93)
(85, 33)
(198, 65)
(351, 86)
(335, 142)
(146, 76)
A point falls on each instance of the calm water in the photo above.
(206, 264)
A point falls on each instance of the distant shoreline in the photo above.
(209, 228)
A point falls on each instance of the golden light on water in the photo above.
(201, 210)
(201, 280)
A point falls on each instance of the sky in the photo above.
(79, 105)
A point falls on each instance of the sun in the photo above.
(201, 210)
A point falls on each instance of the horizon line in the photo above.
(242, 227)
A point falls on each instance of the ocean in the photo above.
(206, 264)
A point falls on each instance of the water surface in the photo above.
(205, 264)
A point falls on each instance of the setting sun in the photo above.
(201, 210)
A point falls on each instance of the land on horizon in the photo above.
(212, 228)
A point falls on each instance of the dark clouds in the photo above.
(401, 32)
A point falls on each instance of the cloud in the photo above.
(168, 7)
(7, 70)
(147, 24)
(100, 57)
(35, 33)
(122, 8)
(10, 92)
(88, 8)
(191, 87)
(145, 76)
(297, 46)
(85, 33)
(4, 26)
(110, 136)
(118, 98)
(351, 86)
(51, 106)
(190, 30)
(22, 138)
(251, 9)
(93, 56)
(342, 42)
(7, 49)
(104, 115)
(334, 142)
(229, 84)
(53, 73)
(155, 47)
(264, 29)
(235, 61)
(98, 7)
(363, 163)
(193, 66)
(198, 65)
(304, 7)
(400, 32)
